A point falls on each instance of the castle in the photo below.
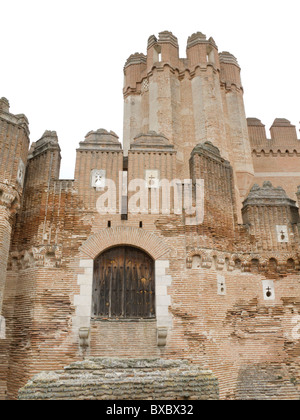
(182, 245)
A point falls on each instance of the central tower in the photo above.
(190, 101)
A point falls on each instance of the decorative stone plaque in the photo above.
(221, 285)
(152, 178)
(282, 234)
(268, 290)
(98, 179)
(21, 173)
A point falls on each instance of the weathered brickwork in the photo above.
(222, 243)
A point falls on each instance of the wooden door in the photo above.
(124, 285)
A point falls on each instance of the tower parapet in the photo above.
(201, 51)
(44, 160)
(165, 49)
(134, 67)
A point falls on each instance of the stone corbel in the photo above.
(162, 333)
(84, 334)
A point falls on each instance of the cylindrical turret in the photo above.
(169, 48)
(206, 95)
(230, 70)
(201, 51)
(134, 70)
(238, 137)
(160, 103)
(153, 52)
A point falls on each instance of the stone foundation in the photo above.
(124, 379)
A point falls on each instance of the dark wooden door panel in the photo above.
(124, 284)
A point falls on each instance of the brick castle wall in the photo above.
(227, 287)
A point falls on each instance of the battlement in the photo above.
(283, 136)
(136, 58)
(17, 119)
(49, 140)
(227, 58)
(200, 51)
(200, 38)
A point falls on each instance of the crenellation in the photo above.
(283, 131)
(283, 136)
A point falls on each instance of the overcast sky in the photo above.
(62, 60)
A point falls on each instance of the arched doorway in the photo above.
(124, 284)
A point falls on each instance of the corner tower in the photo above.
(14, 144)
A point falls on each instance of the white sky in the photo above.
(62, 60)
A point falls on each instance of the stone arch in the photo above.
(108, 238)
(139, 238)
(124, 284)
